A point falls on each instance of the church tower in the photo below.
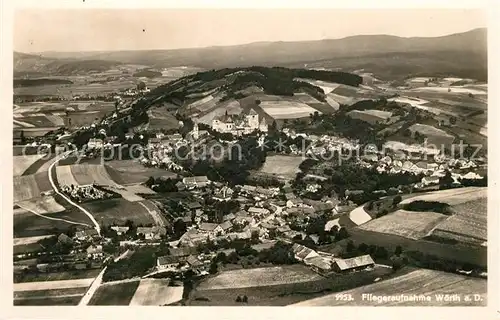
(253, 119)
(196, 133)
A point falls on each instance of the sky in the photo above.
(145, 29)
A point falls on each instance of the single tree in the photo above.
(396, 200)
(398, 251)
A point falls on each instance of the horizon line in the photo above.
(247, 43)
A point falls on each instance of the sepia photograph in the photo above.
(250, 157)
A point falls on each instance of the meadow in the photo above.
(417, 282)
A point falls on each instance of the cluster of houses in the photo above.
(325, 263)
(84, 193)
(86, 253)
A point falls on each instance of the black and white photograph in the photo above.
(250, 157)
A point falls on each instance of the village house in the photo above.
(94, 250)
(120, 230)
(428, 181)
(196, 182)
(64, 239)
(319, 264)
(167, 263)
(86, 235)
(195, 264)
(259, 212)
(151, 233)
(302, 253)
(94, 144)
(353, 264)
(223, 193)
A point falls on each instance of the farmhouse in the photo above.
(353, 264)
(94, 249)
(87, 234)
(64, 239)
(182, 252)
(302, 253)
(319, 264)
(196, 182)
(167, 263)
(254, 211)
(95, 143)
(195, 264)
(120, 230)
(151, 233)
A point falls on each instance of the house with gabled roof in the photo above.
(167, 263)
(353, 264)
(302, 252)
(196, 182)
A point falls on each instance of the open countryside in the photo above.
(264, 174)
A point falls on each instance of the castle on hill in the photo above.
(238, 125)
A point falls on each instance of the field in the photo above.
(131, 192)
(244, 278)
(451, 196)
(327, 87)
(161, 118)
(476, 255)
(128, 172)
(156, 292)
(287, 166)
(41, 205)
(468, 224)
(114, 294)
(22, 163)
(41, 165)
(409, 224)
(418, 282)
(53, 284)
(30, 186)
(370, 116)
(68, 300)
(78, 277)
(57, 297)
(340, 99)
(231, 106)
(28, 224)
(428, 130)
(118, 211)
(284, 293)
(65, 176)
(30, 240)
(85, 174)
(287, 109)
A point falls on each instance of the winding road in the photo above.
(56, 190)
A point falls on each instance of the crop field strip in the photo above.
(451, 196)
(114, 294)
(24, 162)
(259, 276)
(156, 292)
(118, 211)
(25, 188)
(409, 224)
(39, 165)
(421, 281)
(41, 205)
(65, 176)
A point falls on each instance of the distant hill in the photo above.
(209, 94)
(39, 65)
(404, 55)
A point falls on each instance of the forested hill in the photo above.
(273, 81)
